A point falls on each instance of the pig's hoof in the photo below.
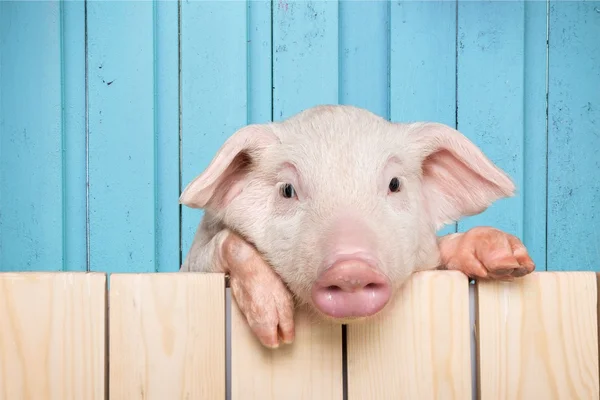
(485, 252)
(259, 292)
(268, 308)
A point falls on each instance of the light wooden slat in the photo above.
(167, 336)
(419, 348)
(538, 337)
(52, 336)
(308, 369)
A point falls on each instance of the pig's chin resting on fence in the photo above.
(342, 204)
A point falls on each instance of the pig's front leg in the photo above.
(485, 252)
(259, 292)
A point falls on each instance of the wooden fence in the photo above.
(164, 337)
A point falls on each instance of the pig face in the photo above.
(343, 204)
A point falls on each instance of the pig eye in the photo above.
(394, 185)
(287, 191)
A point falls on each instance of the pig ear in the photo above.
(458, 179)
(227, 173)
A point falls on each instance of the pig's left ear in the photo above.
(458, 179)
(227, 173)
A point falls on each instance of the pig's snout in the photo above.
(351, 287)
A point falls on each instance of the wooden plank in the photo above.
(167, 336)
(364, 55)
(166, 152)
(31, 204)
(121, 136)
(52, 336)
(213, 88)
(260, 58)
(535, 138)
(310, 368)
(419, 348)
(490, 101)
(538, 337)
(423, 64)
(574, 136)
(305, 56)
(74, 137)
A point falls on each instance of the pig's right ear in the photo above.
(458, 179)
(227, 174)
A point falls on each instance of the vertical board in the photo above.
(213, 88)
(52, 336)
(364, 55)
(121, 135)
(538, 337)
(260, 58)
(422, 61)
(490, 104)
(74, 136)
(423, 64)
(534, 188)
(310, 368)
(305, 56)
(31, 204)
(574, 136)
(166, 147)
(419, 348)
(167, 336)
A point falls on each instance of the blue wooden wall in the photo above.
(108, 109)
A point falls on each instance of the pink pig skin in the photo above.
(337, 207)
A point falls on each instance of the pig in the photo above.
(335, 207)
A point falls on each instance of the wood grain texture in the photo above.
(308, 369)
(419, 348)
(538, 337)
(167, 336)
(52, 336)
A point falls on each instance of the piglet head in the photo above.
(344, 204)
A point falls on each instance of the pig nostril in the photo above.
(372, 286)
(334, 288)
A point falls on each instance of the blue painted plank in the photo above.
(74, 135)
(490, 98)
(166, 97)
(574, 136)
(364, 55)
(423, 64)
(260, 58)
(2, 23)
(121, 136)
(31, 223)
(213, 88)
(535, 141)
(305, 55)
